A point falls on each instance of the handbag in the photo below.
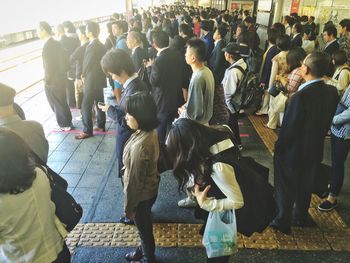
(280, 102)
(220, 235)
(67, 210)
(142, 73)
(276, 88)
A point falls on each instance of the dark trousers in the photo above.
(233, 124)
(218, 260)
(70, 91)
(293, 184)
(340, 149)
(165, 120)
(57, 99)
(64, 255)
(143, 222)
(90, 100)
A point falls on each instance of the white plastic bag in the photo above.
(220, 235)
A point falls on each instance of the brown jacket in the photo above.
(141, 177)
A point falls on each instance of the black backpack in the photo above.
(246, 90)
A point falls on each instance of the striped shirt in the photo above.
(340, 130)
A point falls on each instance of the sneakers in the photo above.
(58, 128)
(187, 203)
(327, 206)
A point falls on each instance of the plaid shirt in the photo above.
(294, 81)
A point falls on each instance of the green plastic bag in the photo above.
(220, 235)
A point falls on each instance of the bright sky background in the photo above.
(20, 15)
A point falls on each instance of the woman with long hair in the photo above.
(29, 228)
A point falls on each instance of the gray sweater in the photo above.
(199, 106)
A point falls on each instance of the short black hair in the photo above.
(295, 57)
(70, 27)
(43, 25)
(279, 27)
(93, 27)
(272, 35)
(283, 42)
(249, 20)
(143, 108)
(318, 63)
(122, 25)
(198, 46)
(339, 57)
(160, 39)
(207, 25)
(16, 163)
(298, 27)
(331, 30)
(82, 29)
(185, 29)
(117, 60)
(310, 33)
(222, 30)
(345, 23)
(204, 14)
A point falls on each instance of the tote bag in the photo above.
(220, 235)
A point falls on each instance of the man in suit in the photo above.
(69, 43)
(297, 39)
(207, 37)
(55, 68)
(165, 74)
(299, 148)
(138, 54)
(94, 81)
(330, 38)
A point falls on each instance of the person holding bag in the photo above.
(223, 180)
(29, 229)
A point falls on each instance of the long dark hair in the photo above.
(295, 57)
(188, 146)
(17, 170)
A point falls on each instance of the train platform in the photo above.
(89, 168)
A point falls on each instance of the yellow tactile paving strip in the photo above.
(331, 232)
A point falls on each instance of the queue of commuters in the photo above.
(175, 71)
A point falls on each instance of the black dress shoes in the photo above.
(283, 230)
(135, 256)
(126, 221)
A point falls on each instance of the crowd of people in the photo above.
(177, 74)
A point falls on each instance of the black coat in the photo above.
(138, 56)
(70, 44)
(55, 64)
(217, 62)
(78, 57)
(305, 124)
(117, 113)
(330, 49)
(297, 41)
(166, 79)
(267, 66)
(92, 70)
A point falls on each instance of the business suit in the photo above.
(94, 82)
(209, 44)
(117, 113)
(70, 44)
(137, 57)
(55, 68)
(299, 149)
(166, 79)
(297, 41)
(330, 49)
(217, 62)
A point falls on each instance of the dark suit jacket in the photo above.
(267, 66)
(55, 64)
(217, 62)
(297, 41)
(138, 56)
(95, 79)
(166, 79)
(117, 113)
(209, 44)
(332, 48)
(307, 119)
(78, 57)
(70, 44)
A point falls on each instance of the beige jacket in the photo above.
(141, 177)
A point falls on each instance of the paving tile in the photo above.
(72, 179)
(68, 146)
(84, 195)
(90, 181)
(310, 239)
(188, 235)
(56, 137)
(72, 167)
(265, 240)
(97, 234)
(56, 166)
(59, 156)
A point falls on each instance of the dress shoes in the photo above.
(126, 221)
(283, 230)
(83, 135)
(137, 255)
(97, 129)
